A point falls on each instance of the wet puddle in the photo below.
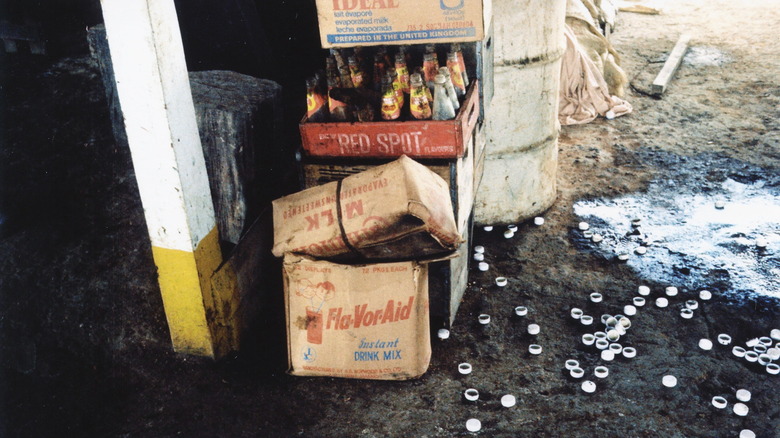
(727, 238)
(706, 56)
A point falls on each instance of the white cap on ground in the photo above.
(720, 205)
(596, 238)
(535, 349)
(479, 249)
(705, 295)
(639, 301)
(501, 281)
(643, 290)
(669, 381)
(576, 312)
(596, 297)
(741, 409)
(508, 401)
(615, 348)
(774, 353)
(641, 250)
(473, 425)
(629, 352)
(661, 302)
(607, 355)
(484, 319)
(602, 344)
(773, 369)
(752, 342)
(471, 394)
(747, 433)
(586, 320)
(583, 226)
(765, 341)
(629, 310)
(483, 266)
(613, 335)
(623, 256)
(488, 228)
(571, 363)
(671, 291)
(761, 242)
(588, 339)
(508, 234)
(601, 371)
(692, 304)
(743, 395)
(512, 228)
(686, 313)
(576, 372)
(705, 344)
(719, 402)
(775, 334)
(521, 310)
(751, 356)
(538, 220)
(738, 351)
(533, 329)
(443, 333)
(464, 368)
(588, 386)
(724, 339)
(478, 257)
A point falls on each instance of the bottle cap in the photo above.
(484, 319)
(601, 371)
(719, 402)
(535, 349)
(588, 339)
(629, 352)
(643, 290)
(473, 425)
(479, 249)
(741, 409)
(743, 395)
(508, 401)
(533, 329)
(669, 381)
(439, 79)
(521, 310)
(471, 394)
(705, 344)
(501, 281)
(464, 368)
(588, 386)
(443, 334)
(577, 372)
(571, 363)
(538, 220)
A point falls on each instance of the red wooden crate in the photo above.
(416, 138)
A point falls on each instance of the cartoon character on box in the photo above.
(317, 294)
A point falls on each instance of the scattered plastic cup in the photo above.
(719, 402)
(761, 242)
(741, 409)
(661, 302)
(601, 372)
(473, 425)
(643, 290)
(765, 341)
(521, 310)
(724, 339)
(609, 320)
(743, 395)
(669, 381)
(538, 221)
(588, 234)
(508, 401)
(484, 319)
(639, 301)
(720, 205)
(764, 359)
(501, 281)
(588, 386)
(596, 297)
(641, 250)
(471, 394)
(775, 334)
(751, 342)
(613, 335)
(629, 352)
(623, 256)
(533, 329)
(483, 266)
(600, 335)
(620, 329)
(443, 334)
(464, 368)
(774, 353)
(705, 344)
(535, 349)
(760, 349)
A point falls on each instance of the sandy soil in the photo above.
(85, 348)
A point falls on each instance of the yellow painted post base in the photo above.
(200, 312)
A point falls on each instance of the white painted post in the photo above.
(154, 93)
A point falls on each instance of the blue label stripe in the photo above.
(386, 37)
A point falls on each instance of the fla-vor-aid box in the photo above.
(400, 210)
(357, 321)
(349, 23)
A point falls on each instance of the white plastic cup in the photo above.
(751, 356)
(605, 317)
(512, 228)
(750, 343)
(766, 341)
(535, 349)
(538, 221)
(586, 320)
(775, 334)
(741, 409)
(629, 352)
(610, 321)
(773, 369)
(613, 335)
(588, 234)
(471, 394)
(640, 250)
(643, 290)
(588, 339)
(623, 256)
(596, 238)
(488, 228)
(764, 359)
(760, 349)
(600, 335)
(521, 310)
(719, 402)
(720, 205)
(596, 297)
(620, 329)
(616, 348)
(639, 301)
(501, 281)
(774, 353)
(533, 329)
(483, 266)
(747, 433)
(624, 322)
(601, 372)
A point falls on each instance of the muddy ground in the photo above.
(85, 348)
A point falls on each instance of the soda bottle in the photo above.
(456, 74)
(403, 72)
(391, 109)
(331, 71)
(449, 88)
(315, 102)
(455, 47)
(431, 68)
(356, 74)
(419, 105)
(442, 105)
(338, 109)
(379, 71)
(399, 92)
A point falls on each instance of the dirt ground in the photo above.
(85, 348)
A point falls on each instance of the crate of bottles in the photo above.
(379, 109)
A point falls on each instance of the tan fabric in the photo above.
(584, 94)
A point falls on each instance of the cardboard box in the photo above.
(457, 173)
(400, 210)
(348, 23)
(414, 138)
(357, 321)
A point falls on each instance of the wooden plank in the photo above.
(672, 63)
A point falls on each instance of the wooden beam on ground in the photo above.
(154, 92)
(670, 66)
